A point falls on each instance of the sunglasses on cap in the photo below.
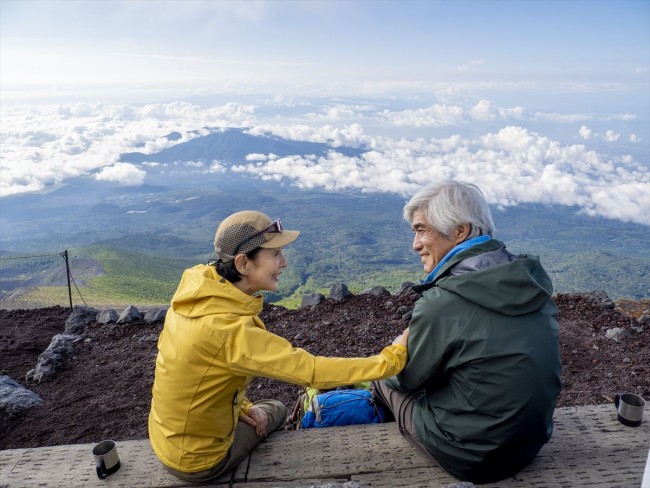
(274, 228)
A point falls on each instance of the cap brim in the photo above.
(282, 239)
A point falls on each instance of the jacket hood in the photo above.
(514, 288)
(202, 291)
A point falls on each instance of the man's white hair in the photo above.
(450, 204)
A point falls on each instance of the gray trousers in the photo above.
(244, 442)
(401, 405)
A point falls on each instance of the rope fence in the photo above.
(64, 254)
(8, 258)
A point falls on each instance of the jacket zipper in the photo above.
(234, 420)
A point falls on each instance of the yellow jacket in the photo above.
(211, 346)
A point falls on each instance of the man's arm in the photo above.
(428, 342)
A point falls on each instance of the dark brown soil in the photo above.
(105, 389)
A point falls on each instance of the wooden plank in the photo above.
(574, 470)
(73, 466)
(302, 483)
(335, 452)
(9, 459)
(596, 426)
(589, 447)
(585, 440)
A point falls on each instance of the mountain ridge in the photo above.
(232, 146)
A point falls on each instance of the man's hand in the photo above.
(256, 418)
(402, 339)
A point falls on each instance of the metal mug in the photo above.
(629, 408)
(106, 459)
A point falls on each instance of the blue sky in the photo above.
(559, 90)
(331, 46)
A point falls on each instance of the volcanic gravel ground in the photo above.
(104, 391)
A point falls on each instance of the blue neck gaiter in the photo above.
(460, 247)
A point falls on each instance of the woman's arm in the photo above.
(256, 352)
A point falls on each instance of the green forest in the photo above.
(357, 239)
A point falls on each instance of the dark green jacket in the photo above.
(484, 349)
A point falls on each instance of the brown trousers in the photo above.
(244, 442)
(401, 405)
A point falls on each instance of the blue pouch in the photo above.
(342, 407)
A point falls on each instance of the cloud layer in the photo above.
(512, 166)
(44, 145)
(599, 166)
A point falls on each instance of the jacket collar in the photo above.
(475, 250)
(203, 292)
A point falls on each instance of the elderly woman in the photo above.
(213, 343)
(483, 375)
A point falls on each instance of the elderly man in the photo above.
(483, 375)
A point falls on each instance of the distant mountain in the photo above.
(232, 146)
(85, 196)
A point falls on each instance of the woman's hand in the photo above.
(256, 418)
(402, 339)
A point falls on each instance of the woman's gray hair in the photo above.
(449, 204)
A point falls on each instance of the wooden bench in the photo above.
(589, 448)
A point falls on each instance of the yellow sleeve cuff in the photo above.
(246, 406)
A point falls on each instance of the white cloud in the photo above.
(562, 118)
(349, 135)
(484, 111)
(442, 114)
(340, 111)
(512, 166)
(217, 167)
(256, 157)
(634, 138)
(123, 173)
(44, 145)
(623, 117)
(436, 115)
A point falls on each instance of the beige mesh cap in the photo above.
(247, 230)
